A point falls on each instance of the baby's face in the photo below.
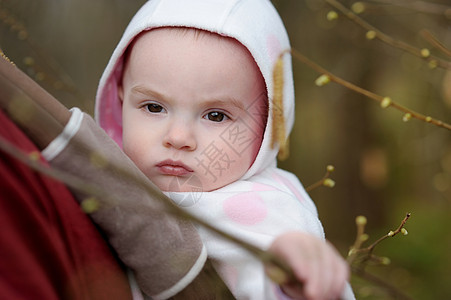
(194, 109)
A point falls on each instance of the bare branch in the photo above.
(358, 257)
(325, 181)
(428, 36)
(385, 102)
(422, 53)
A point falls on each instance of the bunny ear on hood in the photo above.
(254, 23)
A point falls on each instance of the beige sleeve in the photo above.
(165, 253)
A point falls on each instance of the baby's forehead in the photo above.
(176, 36)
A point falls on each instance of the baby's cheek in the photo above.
(132, 152)
(224, 168)
(126, 146)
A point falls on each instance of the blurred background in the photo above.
(384, 167)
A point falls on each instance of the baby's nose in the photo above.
(180, 136)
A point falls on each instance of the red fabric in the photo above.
(49, 249)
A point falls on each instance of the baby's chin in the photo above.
(189, 185)
(181, 184)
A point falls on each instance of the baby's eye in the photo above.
(154, 108)
(216, 116)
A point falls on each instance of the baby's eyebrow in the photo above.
(225, 102)
(146, 91)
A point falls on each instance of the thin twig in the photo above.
(322, 181)
(413, 114)
(431, 39)
(368, 251)
(360, 222)
(388, 39)
(359, 257)
(390, 234)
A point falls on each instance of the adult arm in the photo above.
(173, 254)
(50, 248)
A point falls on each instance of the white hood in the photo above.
(254, 23)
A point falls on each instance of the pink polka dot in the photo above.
(290, 185)
(246, 209)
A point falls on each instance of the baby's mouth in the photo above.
(173, 168)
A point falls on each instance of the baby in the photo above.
(188, 95)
